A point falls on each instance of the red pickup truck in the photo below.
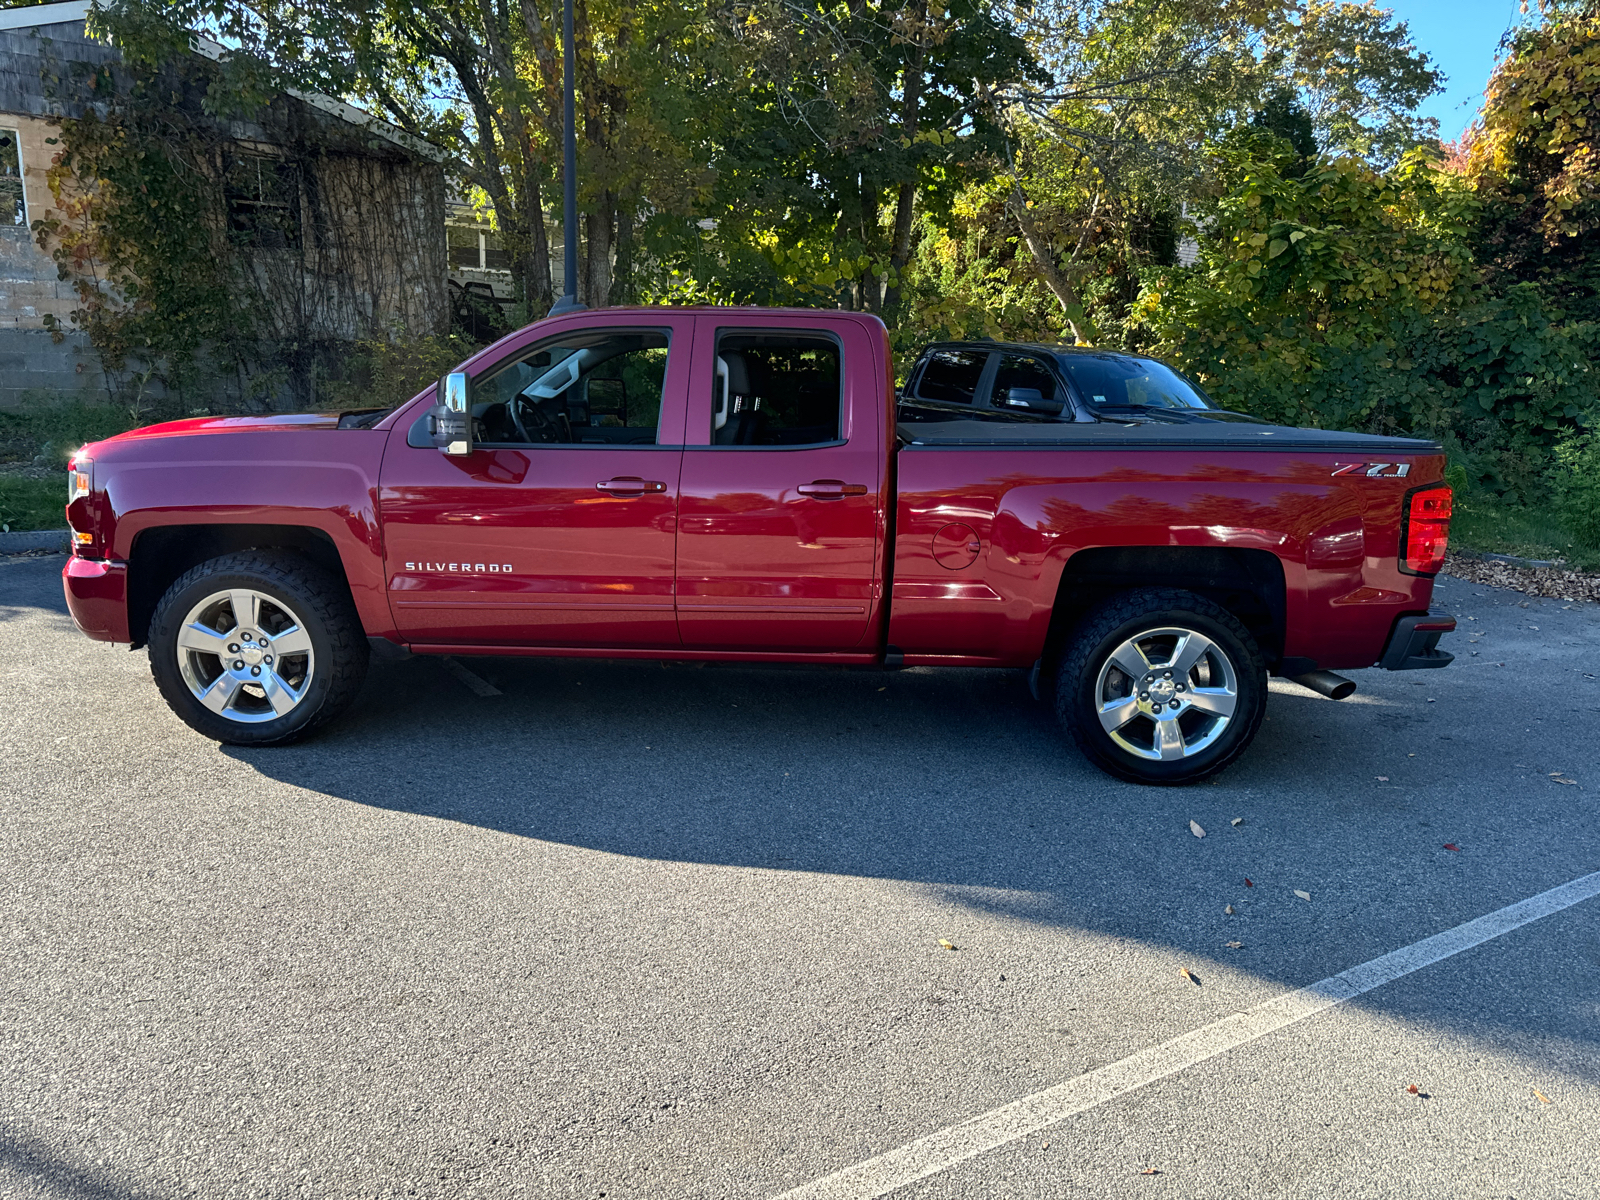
(709, 483)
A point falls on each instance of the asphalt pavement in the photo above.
(634, 930)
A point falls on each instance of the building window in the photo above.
(474, 248)
(495, 256)
(264, 203)
(13, 204)
(463, 243)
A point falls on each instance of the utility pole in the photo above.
(569, 207)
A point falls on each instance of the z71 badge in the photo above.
(1374, 470)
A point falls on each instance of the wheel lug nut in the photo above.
(238, 666)
(233, 649)
(255, 670)
(1144, 695)
(267, 660)
(1180, 687)
(1167, 675)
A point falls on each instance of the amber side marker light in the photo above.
(1427, 531)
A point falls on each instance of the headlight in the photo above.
(80, 479)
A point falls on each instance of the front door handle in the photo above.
(831, 489)
(630, 485)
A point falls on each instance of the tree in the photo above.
(483, 81)
(1533, 158)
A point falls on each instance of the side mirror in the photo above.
(1033, 400)
(452, 415)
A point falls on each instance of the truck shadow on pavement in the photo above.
(957, 781)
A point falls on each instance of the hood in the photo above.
(193, 425)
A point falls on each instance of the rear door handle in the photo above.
(630, 485)
(831, 489)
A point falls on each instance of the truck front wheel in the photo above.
(1161, 686)
(256, 648)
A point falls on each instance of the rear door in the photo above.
(558, 529)
(782, 488)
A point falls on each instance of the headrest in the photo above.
(738, 373)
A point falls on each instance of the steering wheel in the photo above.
(537, 421)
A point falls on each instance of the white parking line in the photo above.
(987, 1131)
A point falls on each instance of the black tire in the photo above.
(1089, 678)
(331, 670)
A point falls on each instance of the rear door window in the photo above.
(952, 376)
(776, 389)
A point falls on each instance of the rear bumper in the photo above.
(97, 597)
(1414, 644)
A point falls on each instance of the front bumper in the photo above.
(1414, 644)
(97, 597)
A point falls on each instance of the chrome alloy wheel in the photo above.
(245, 655)
(1166, 694)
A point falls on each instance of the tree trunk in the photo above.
(599, 231)
(623, 288)
(906, 196)
(1083, 330)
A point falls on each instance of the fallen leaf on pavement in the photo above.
(1451, 846)
(1247, 882)
(1543, 1099)
(1302, 895)
(1235, 945)
(1149, 1171)
(947, 943)
(1383, 779)
(1194, 828)
(1568, 782)
(1413, 1089)
(1189, 975)
(1046, 1146)
(1237, 821)
(1228, 911)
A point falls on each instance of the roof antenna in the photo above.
(569, 215)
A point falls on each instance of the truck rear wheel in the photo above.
(256, 648)
(1161, 686)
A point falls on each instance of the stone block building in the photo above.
(343, 215)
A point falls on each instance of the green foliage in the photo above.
(1534, 160)
(1575, 481)
(27, 503)
(1348, 298)
(54, 426)
(1484, 522)
(139, 231)
(379, 373)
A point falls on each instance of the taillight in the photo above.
(1427, 530)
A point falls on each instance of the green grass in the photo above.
(55, 426)
(33, 503)
(1485, 524)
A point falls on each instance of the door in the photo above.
(783, 474)
(557, 530)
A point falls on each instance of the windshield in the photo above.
(1114, 381)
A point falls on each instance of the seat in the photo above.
(736, 415)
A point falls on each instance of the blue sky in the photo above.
(1460, 37)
